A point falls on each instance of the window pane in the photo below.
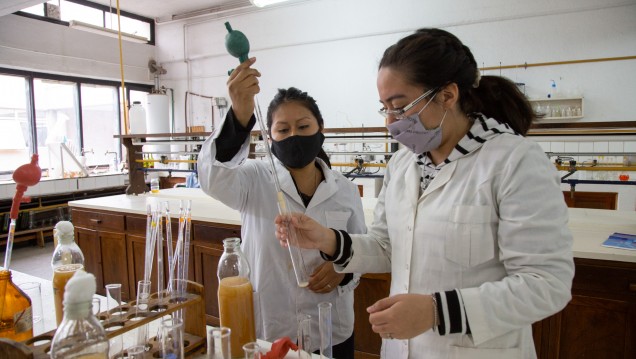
(100, 122)
(15, 139)
(130, 26)
(72, 11)
(56, 123)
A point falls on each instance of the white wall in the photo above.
(41, 46)
(331, 49)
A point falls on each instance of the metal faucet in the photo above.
(85, 151)
(112, 167)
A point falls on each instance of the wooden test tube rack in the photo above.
(194, 336)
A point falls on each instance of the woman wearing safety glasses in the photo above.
(470, 222)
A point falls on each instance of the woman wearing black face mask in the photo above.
(309, 185)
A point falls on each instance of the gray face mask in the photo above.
(410, 132)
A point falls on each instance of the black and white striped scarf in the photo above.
(481, 131)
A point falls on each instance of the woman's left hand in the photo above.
(325, 279)
(402, 316)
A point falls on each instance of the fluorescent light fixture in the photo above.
(263, 3)
(104, 31)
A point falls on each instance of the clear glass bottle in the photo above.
(16, 321)
(67, 259)
(236, 304)
(80, 335)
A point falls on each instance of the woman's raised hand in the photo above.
(309, 233)
(243, 86)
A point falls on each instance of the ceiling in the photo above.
(160, 10)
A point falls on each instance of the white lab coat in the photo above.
(494, 225)
(247, 185)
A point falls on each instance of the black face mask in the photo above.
(298, 151)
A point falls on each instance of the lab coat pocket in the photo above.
(469, 237)
(337, 219)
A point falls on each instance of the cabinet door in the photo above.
(206, 260)
(114, 269)
(592, 327)
(89, 243)
(372, 288)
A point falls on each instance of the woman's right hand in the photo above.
(309, 233)
(243, 86)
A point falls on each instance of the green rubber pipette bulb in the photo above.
(236, 43)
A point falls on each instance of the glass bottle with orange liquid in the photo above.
(16, 321)
(80, 335)
(67, 259)
(236, 303)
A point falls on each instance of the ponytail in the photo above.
(499, 98)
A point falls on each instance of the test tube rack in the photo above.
(126, 320)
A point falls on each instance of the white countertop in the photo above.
(590, 227)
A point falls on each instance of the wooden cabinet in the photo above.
(208, 248)
(100, 236)
(600, 320)
(598, 200)
(372, 288)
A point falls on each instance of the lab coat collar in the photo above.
(444, 175)
(289, 188)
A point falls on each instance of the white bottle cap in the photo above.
(64, 231)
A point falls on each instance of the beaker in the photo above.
(324, 326)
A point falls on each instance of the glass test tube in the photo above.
(252, 350)
(172, 338)
(219, 344)
(304, 336)
(324, 326)
(296, 254)
(141, 307)
(113, 301)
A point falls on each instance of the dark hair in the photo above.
(434, 58)
(293, 94)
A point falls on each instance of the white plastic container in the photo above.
(137, 118)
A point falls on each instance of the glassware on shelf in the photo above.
(236, 305)
(67, 259)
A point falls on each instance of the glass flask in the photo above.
(236, 304)
(16, 321)
(80, 335)
(67, 259)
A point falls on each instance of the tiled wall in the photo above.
(57, 186)
(596, 146)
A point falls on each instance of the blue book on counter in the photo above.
(621, 240)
